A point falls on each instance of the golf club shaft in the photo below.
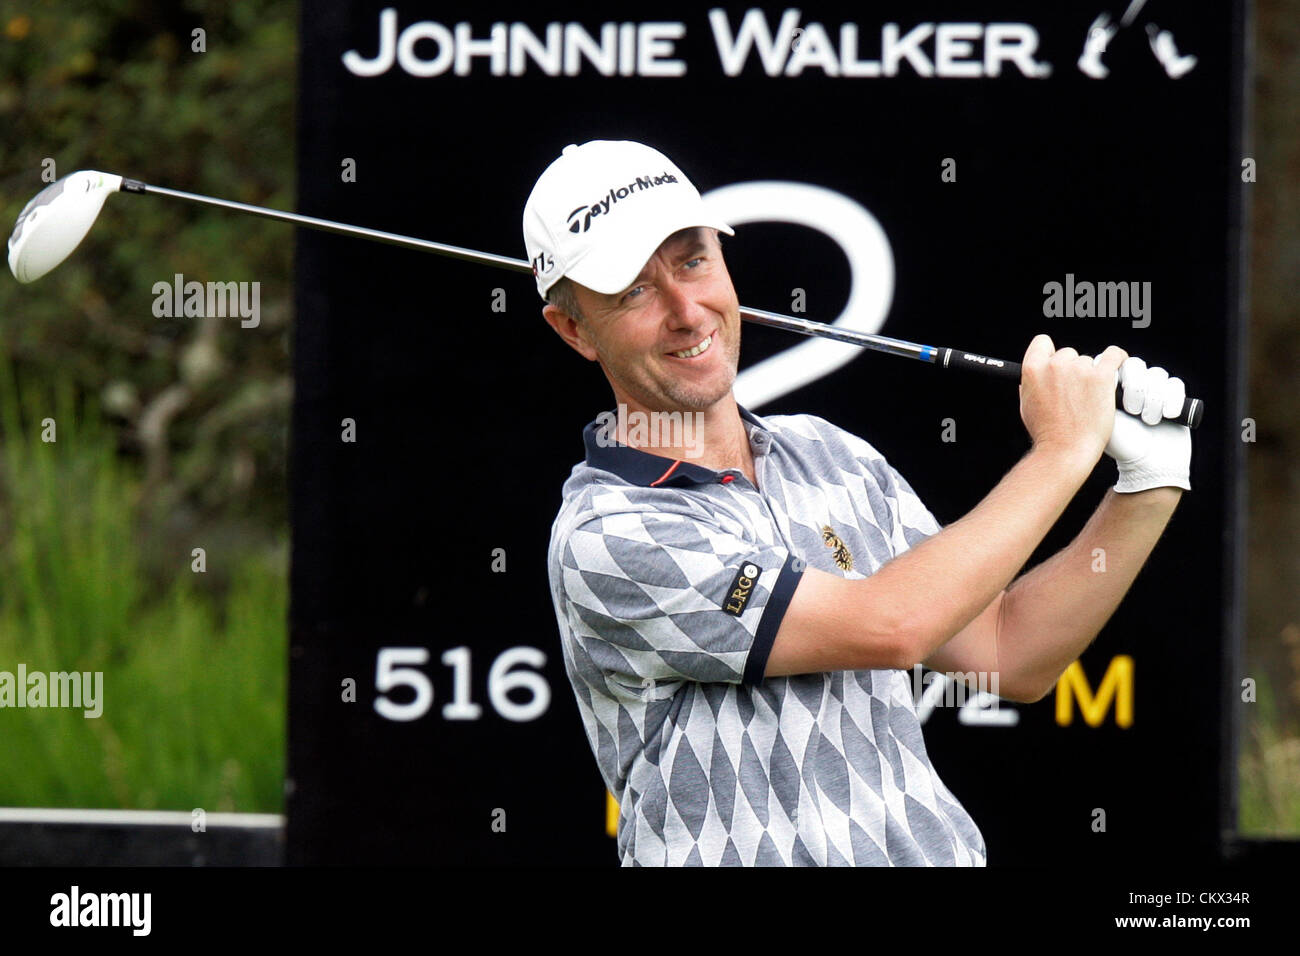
(938, 356)
(325, 225)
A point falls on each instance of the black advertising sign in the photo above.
(950, 175)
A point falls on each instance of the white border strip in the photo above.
(142, 818)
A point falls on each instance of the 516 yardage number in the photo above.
(396, 667)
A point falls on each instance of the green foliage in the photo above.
(172, 432)
(194, 685)
(116, 86)
(1268, 770)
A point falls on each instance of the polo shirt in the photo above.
(669, 582)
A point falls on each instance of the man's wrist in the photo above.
(1073, 462)
(1164, 497)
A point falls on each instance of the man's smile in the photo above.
(697, 349)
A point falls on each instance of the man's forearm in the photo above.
(945, 581)
(1051, 614)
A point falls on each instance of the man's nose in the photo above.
(683, 308)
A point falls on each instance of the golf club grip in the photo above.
(1193, 408)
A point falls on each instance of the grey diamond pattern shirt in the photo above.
(669, 583)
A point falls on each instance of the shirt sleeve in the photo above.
(658, 596)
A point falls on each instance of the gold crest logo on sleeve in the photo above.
(843, 558)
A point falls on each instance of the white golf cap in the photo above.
(601, 210)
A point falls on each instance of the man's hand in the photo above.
(1067, 400)
(1150, 452)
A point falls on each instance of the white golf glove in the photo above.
(1150, 452)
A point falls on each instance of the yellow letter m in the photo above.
(1116, 684)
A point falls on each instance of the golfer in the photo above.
(740, 599)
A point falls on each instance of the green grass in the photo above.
(194, 682)
(1268, 770)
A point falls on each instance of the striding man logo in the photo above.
(843, 558)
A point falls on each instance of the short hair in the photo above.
(564, 297)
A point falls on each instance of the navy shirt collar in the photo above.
(649, 470)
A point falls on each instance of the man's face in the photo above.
(682, 301)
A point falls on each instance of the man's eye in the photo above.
(632, 293)
(692, 263)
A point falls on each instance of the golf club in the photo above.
(53, 224)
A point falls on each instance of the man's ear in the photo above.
(571, 330)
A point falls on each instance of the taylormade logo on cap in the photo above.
(561, 214)
(580, 218)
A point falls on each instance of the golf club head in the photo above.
(56, 220)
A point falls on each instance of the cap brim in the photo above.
(613, 264)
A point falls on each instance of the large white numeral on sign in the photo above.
(871, 268)
(501, 682)
(985, 710)
(460, 708)
(388, 676)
